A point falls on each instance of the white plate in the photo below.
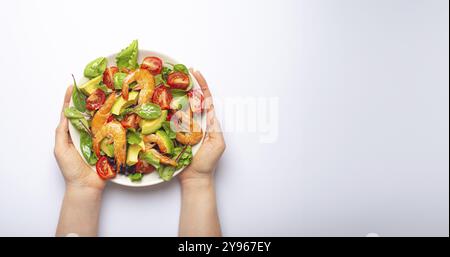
(152, 178)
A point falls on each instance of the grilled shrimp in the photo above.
(163, 159)
(115, 131)
(190, 135)
(102, 114)
(145, 81)
(155, 139)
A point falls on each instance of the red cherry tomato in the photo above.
(104, 169)
(162, 97)
(152, 64)
(108, 76)
(196, 100)
(130, 121)
(95, 100)
(144, 168)
(178, 80)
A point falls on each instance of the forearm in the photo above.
(198, 209)
(79, 212)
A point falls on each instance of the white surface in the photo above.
(363, 85)
(149, 179)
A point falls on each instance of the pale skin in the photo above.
(81, 206)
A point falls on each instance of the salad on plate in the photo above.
(136, 118)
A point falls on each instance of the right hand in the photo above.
(213, 146)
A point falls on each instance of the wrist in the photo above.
(84, 192)
(197, 182)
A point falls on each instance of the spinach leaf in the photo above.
(136, 177)
(95, 68)
(167, 128)
(79, 100)
(123, 113)
(159, 80)
(104, 88)
(73, 113)
(148, 111)
(133, 137)
(127, 58)
(181, 68)
(118, 79)
(86, 148)
(165, 72)
(179, 100)
(80, 124)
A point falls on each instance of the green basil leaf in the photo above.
(148, 111)
(95, 68)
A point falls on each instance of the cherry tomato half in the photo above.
(196, 100)
(144, 168)
(162, 97)
(130, 121)
(178, 80)
(152, 64)
(104, 169)
(95, 100)
(108, 76)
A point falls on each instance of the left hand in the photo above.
(76, 172)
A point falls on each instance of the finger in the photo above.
(213, 128)
(62, 135)
(66, 102)
(202, 83)
(207, 101)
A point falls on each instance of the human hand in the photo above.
(77, 174)
(213, 146)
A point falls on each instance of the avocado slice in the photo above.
(121, 103)
(89, 87)
(164, 142)
(150, 126)
(133, 154)
(107, 147)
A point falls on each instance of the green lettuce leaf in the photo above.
(185, 159)
(166, 172)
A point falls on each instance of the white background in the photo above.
(363, 140)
